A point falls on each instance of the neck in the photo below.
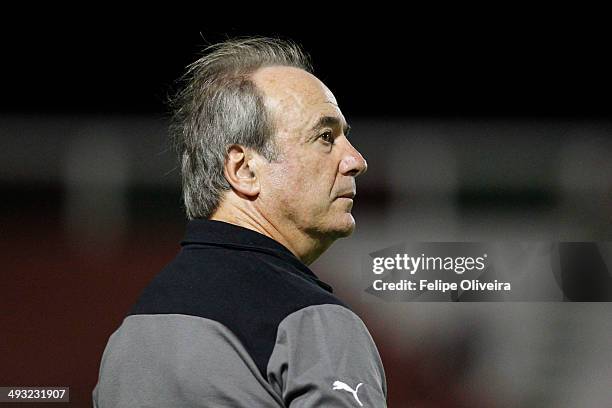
(304, 247)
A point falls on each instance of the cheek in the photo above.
(302, 184)
(286, 178)
(297, 190)
(282, 188)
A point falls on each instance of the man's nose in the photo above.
(353, 163)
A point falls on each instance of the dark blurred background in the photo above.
(474, 129)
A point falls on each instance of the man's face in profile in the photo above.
(312, 184)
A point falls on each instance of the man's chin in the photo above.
(340, 226)
(346, 226)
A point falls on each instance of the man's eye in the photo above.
(327, 137)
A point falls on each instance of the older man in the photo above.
(238, 319)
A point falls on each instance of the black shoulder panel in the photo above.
(249, 291)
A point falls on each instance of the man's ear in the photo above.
(240, 171)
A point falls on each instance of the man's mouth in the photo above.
(349, 194)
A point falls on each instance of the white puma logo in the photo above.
(339, 385)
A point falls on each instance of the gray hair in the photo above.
(217, 106)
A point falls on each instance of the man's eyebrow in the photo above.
(331, 121)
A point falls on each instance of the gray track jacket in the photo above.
(235, 320)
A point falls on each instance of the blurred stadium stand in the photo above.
(91, 212)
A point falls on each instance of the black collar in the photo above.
(218, 233)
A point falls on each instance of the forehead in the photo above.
(295, 98)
